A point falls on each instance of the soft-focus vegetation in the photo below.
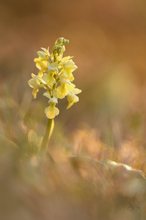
(95, 166)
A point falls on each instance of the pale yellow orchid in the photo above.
(55, 76)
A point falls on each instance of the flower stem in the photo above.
(48, 134)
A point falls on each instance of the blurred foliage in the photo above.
(84, 178)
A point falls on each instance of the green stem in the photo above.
(48, 134)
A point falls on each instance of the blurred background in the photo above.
(108, 42)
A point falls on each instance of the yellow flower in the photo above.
(69, 66)
(49, 79)
(55, 77)
(61, 91)
(72, 99)
(35, 84)
(41, 63)
(51, 111)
